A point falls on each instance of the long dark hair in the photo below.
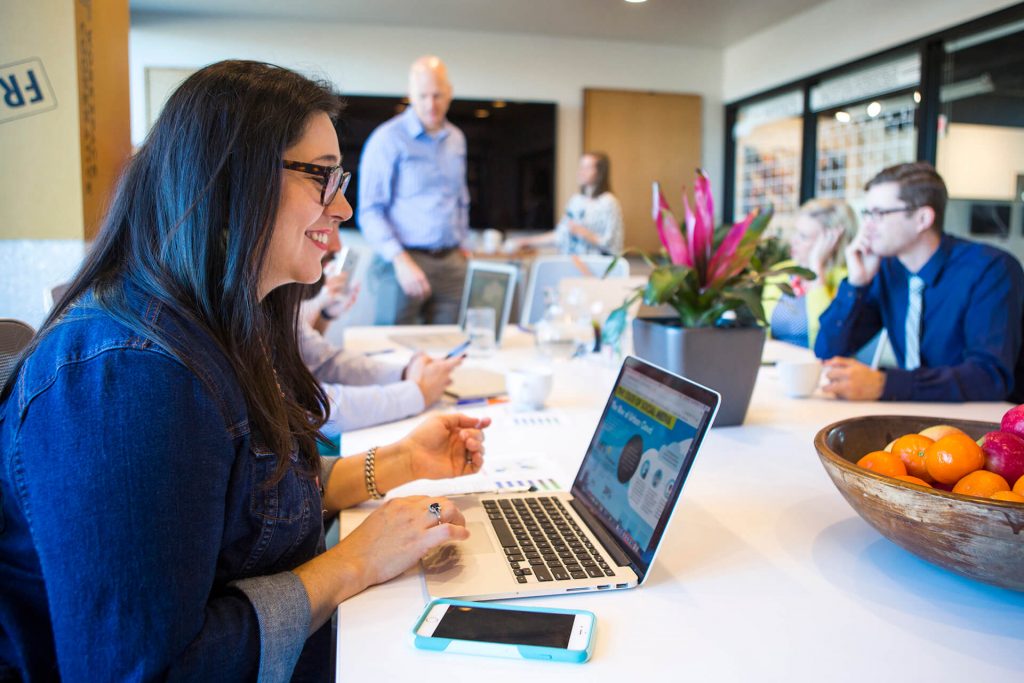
(190, 224)
(603, 182)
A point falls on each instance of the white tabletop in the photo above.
(766, 573)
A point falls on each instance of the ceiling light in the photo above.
(499, 104)
(843, 116)
(481, 113)
(636, 2)
(874, 109)
(917, 97)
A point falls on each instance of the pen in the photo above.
(379, 353)
(494, 400)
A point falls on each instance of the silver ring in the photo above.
(435, 509)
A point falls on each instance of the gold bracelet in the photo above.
(370, 474)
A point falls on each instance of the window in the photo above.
(866, 121)
(980, 149)
(768, 141)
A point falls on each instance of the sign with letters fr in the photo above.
(24, 90)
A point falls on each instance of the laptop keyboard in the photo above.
(542, 540)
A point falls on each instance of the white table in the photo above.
(766, 573)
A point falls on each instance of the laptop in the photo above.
(605, 532)
(488, 285)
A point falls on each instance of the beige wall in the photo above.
(40, 177)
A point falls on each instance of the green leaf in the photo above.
(761, 221)
(664, 282)
(751, 298)
(614, 325)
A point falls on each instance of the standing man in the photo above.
(414, 205)
(953, 308)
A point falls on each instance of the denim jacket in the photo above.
(138, 538)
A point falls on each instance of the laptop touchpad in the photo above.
(478, 542)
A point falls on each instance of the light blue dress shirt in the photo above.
(412, 187)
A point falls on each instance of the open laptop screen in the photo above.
(641, 452)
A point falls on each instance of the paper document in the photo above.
(500, 473)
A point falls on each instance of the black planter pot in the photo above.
(725, 359)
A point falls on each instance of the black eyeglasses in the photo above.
(878, 214)
(333, 178)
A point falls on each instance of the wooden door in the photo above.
(647, 136)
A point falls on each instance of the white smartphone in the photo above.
(500, 630)
(345, 261)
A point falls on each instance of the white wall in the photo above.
(363, 59)
(836, 32)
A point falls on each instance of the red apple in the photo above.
(1004, 454)
(1013, 421)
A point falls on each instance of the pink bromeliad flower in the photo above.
(711, 277)
(695, 248)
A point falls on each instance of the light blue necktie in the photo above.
(915, 286)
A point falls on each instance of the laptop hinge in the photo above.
(601, 534)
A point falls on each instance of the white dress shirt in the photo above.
(362, 391)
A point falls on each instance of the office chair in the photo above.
(14, 336)
(54, 294)
(546, 272)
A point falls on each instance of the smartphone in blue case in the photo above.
(499, 630)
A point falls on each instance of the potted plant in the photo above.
(712, 280)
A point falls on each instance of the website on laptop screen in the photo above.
(636, 459)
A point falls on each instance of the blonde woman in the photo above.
(823, 229)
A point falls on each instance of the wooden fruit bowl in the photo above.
(979, 538)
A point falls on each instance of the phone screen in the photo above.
(510, 627)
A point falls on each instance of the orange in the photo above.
(911, 448)
(981, 483)
(1008, 496)
(1018, 488)
(936, 432)
(883, 463)
(914, 480)
(953, 457)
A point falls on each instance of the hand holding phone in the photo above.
(458, 350)
(501, 630)
(338, 293)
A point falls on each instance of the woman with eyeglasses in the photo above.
(163, 500)
(823, 229)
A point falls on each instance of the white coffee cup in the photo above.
(528, 388)
(799, 378)
(490, 241)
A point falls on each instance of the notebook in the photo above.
(472, 383)
(605, 532)
(488, 285)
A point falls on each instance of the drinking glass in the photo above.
(480, 327)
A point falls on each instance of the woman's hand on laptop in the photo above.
(431, 375)
(390, 540)
(445, 446)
